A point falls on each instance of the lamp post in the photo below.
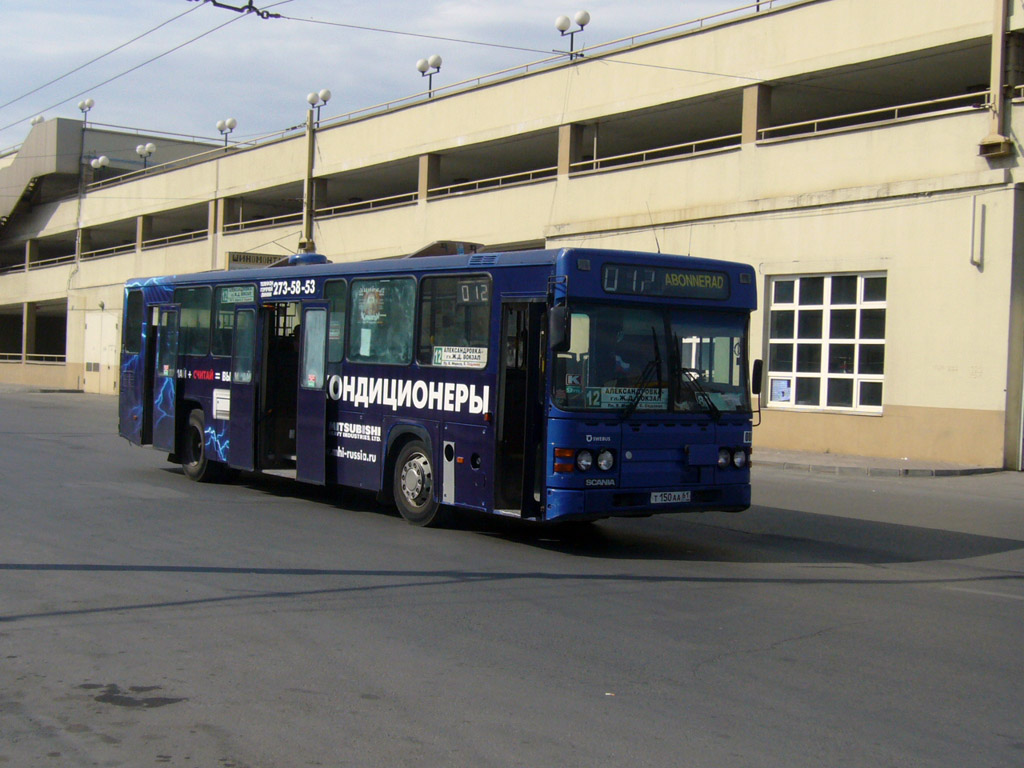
(144, 151)
(316, 100)
(428, 68)
(99, 162)
(562, 24)
(84, 106)
(225, 127)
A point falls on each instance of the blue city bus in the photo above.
(551, 385)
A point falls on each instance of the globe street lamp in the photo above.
(84, 106)
(428, 68)
(144, 151)
(562, 24)
(225, 127)
(317, 100)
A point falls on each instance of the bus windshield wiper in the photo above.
(692, 380)
(643, 383)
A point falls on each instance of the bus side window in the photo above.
(241, 366)
(194, 328)
(225, 299)
(381, 313)
(315, 330)
(133, 314)
(336, 294)
(454, 321)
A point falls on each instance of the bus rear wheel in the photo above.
(413, 485)
(193, 450)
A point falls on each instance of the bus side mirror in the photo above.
(558, 328)
(755, 377)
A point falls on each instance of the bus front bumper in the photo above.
(569, 505)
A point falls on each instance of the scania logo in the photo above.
(601, 481)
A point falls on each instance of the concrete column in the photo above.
(757, 111)
(570, 147)
(28, 330)
(83, 242)
(227, 212)
(319, 193)
(143, 230)
(31, 252)
(430, 174)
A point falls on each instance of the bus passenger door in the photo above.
(521, 414)
(311, 400)
(244, 407)
(165, 378)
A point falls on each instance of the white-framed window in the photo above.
(826, 342)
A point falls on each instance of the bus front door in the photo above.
(521, 413)
(165, 378)
(246, 354)
(311, 399)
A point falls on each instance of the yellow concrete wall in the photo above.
(957, 435)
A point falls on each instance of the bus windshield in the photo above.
(652, 359)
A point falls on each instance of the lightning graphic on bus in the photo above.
(166, 395)
(217, 443)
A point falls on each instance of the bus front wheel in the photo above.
(193, 450)
(413, 485)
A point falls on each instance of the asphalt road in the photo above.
(147, 620)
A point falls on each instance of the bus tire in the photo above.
(193, 450)
(413, 485)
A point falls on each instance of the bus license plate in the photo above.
(669, 497)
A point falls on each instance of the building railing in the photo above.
(102, 253)
(376, 204)
(508, 180)
(966, 102)
(53, 261)
(183, 237)
(46, 359)
(617, 46)
(657, 154)
(266, 223)
(10, 357)
(10, 269)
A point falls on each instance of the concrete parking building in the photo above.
(862, 155)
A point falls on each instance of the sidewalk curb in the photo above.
(827, 469)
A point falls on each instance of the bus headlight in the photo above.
(739, 459)
(605, 460)
(724, 458)
(584, 460)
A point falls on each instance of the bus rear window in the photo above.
(381, 320)
(454, 321)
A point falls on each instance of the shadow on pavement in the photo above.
(761, 535)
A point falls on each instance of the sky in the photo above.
(210, 63)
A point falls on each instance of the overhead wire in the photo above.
(97, 58)
(140, 65)
(611, 58)
(422, 35)
(126, 72)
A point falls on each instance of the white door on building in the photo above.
(101, 352)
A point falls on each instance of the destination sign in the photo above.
(665, 281)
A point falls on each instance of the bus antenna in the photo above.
(653, 230)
